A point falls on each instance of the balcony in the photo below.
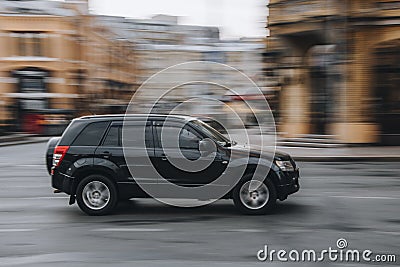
(291, 11)
(388, 8)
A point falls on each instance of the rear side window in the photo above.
(113, 137)
(92, 134)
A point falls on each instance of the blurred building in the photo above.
(58, 61)
(54, 63)
(335, 64)
(161, 42)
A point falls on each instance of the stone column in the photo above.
(294, 100)
(356, 117)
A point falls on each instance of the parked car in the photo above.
(88, 163)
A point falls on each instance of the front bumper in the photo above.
(291, 184)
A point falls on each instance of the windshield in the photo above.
(210, 132)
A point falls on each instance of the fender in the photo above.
(254, 161)
(86, 166)
(108, 166)
(263, 162)
(264, 166)
(79, 166)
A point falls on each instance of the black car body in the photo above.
(89, 155)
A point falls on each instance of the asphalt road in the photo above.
(355, 201)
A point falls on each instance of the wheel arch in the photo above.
(249, 171)
(93, 170)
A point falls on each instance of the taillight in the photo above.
(58, 155)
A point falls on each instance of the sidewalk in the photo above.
(370, 153)
(21, 139)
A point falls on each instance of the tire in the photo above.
(260, 201)
(96, 195)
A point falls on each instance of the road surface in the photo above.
(355, 201)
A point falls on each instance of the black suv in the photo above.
(87, 162)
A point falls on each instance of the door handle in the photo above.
(106, 154)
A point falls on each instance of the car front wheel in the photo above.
(96, 195)
(255, 197)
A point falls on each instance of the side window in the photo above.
(167, 137)
(91, 134)
(113, 137)
(133, 135)
(188, 139)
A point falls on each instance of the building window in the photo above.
(31, 83)
(29, 43)
(36, 43)
(21, 46)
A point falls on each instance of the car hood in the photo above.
(256, 151)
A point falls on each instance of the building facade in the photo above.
(59, 61)
(161, 42)
(54, 61)
(336, 64)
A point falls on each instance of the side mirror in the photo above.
(206, 147)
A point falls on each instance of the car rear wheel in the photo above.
(255, 197)
(96, 195)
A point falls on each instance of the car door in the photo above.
(112, 150)
(138, 154)
(169, 156)
(110, 153)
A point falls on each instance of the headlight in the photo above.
(285, 165)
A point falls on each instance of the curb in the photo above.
(342, 158)
(388, 158)
(25, 141)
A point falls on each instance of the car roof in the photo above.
(134, 116)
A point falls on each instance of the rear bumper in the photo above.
(291, 186)
(62, 182)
